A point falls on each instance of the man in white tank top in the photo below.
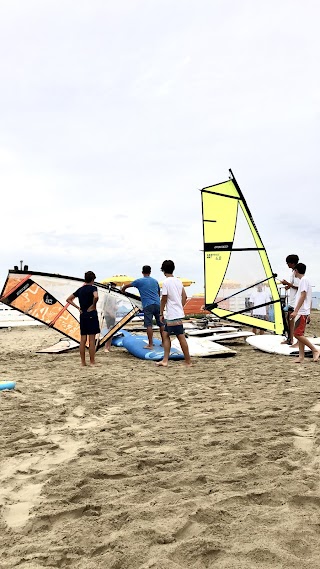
(173, 300)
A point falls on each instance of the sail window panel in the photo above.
(245, 236)
(113, 309)
(243, 273)
(61, 288)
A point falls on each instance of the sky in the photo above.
(114, 114)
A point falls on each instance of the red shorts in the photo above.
(300, 325)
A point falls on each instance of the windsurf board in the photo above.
(204, 348)
(230, 336)
(203, 332)
(272, 343)
(63, 345)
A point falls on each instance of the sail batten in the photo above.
(234, 253)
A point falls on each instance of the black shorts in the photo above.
(89, 323)
(174, 327)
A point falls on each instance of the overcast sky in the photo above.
(114, 114)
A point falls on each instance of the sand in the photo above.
(128, 466)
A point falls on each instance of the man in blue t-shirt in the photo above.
(149, 290)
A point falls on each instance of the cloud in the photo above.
(113, 115)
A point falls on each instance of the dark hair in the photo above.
(89, 276)
(167, 267)
(146, 269)
(292, 259)
(301, 268)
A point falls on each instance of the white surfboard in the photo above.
(271, 343)
(63, 345)
(225, 336)
(204, 332)
(204, 348)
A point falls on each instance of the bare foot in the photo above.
(188, 365)
(107, 350)
(316, 356)
(148, 347)
(83, 365)
(298, 361)
(162, 364)
(294, 345)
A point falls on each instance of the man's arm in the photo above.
(183, 296)
(124, 287)
(288, 285)
(70, 300)
(300, 302)
(163, 303)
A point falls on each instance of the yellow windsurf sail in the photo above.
(239, 282)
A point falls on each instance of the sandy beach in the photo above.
(128, 466)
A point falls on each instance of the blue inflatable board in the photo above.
(117, 340)
(135, 345)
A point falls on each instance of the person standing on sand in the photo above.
(149, 290)
(110, 314)
(292, 286)
(89, 322)
(258, 297)
(173, 299)
(301, 312)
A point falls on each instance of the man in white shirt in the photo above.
(292, 287)
(173, 299)
(258, 297)
(301, 312)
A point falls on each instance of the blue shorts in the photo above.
(89, 323)
(152, 311)
(174, 327)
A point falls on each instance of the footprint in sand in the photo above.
(305, 439)
(22, 478)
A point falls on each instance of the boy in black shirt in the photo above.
(89, 323)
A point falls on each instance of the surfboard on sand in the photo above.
(63, 345)
(205, 348)
(223, 336)
(271, 343)
(203, 332)
(232, 336)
